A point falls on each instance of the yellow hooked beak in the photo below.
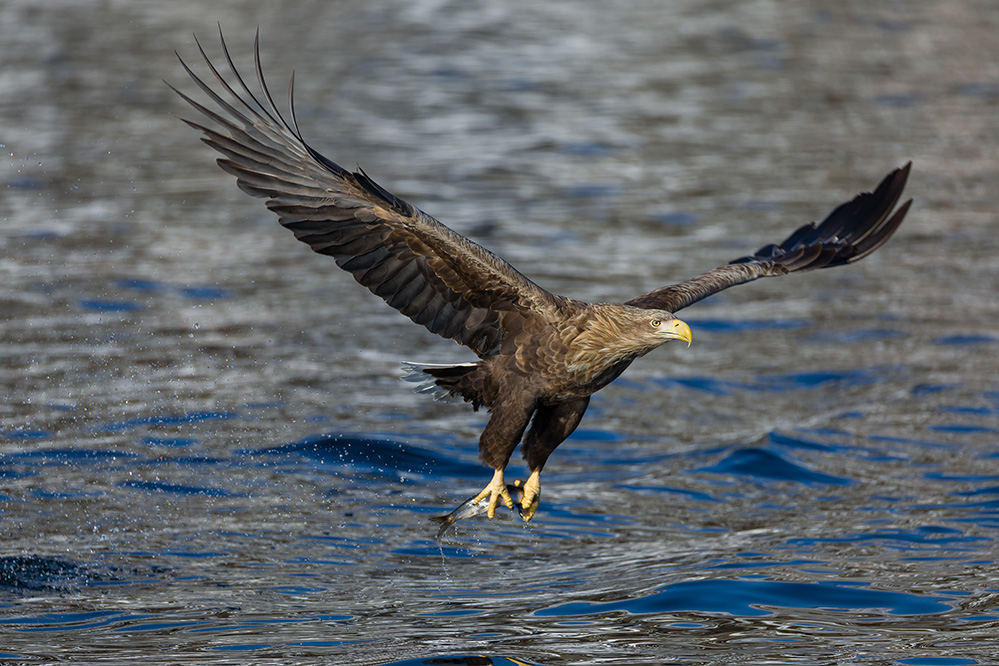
(680, 331)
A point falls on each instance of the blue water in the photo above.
(312, 546)
(206, 454)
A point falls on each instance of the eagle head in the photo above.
(622, 332)
(651, 328)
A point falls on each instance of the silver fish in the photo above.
(468, 509)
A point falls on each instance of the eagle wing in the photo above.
(433, 275)
(851, 232)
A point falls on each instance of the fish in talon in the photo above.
(471, 508)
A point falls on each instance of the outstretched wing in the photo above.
(850, 233)
(433, 275)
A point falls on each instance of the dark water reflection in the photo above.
(205, 451)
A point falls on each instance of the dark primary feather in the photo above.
(851, 232)
(436, 277)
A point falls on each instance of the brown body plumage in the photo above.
(541, 355)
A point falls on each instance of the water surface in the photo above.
(206, 454)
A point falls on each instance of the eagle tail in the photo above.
(444, 382)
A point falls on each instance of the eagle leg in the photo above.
(552, 424)
(532, 492)
(495, 491)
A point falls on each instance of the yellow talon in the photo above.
(495, 491)
(532, 493)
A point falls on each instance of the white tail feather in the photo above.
(426, 383)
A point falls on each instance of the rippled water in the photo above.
(206, 455)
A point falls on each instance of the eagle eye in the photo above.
(656, 323)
